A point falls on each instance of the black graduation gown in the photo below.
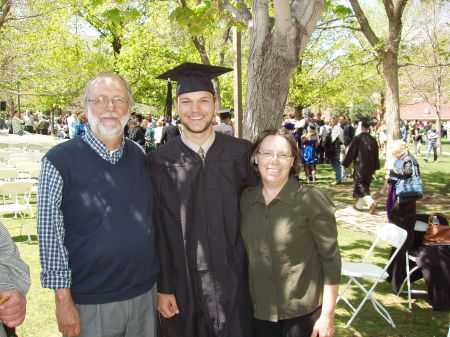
(363, 151)
(203, 259)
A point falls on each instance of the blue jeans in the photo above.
(431, 145)
(336, 164)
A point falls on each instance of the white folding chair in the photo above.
(8, 174)
(16, 146)
(419, 226)
(16, 156)
(391, 234)
(20, 197)
(25, 167)
(34, 147)
(14, 161)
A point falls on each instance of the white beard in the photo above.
(97, 127)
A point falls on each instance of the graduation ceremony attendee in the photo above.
(225, 126)
(333, 149)
(14, 284)
(399, 208)
(203, 285)
(363, 152)
(290, 234)
(95, 225)
(80, 129)
(169, 131)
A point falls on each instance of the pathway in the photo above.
(360, 221)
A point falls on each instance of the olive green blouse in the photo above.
(292, 250)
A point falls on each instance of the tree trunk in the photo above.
(275, 51)
(392, 115)
(269, 73)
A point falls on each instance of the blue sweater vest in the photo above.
(108, 222)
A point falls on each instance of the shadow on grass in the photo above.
(22, 238)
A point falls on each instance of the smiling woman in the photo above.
(290, 235)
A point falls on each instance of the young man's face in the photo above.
(196, 111)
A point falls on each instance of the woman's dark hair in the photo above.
(286, 134)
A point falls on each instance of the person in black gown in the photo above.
(203, 285)
(363, 151)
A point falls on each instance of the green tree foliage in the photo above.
(110, 18)
(42, 58)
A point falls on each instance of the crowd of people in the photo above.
(179, 217)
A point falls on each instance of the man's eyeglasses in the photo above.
(102, 102)
(271, 155)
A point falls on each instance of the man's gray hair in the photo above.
(113, 75)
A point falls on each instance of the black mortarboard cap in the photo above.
(366, 122)
(191, 77)
(225, 113)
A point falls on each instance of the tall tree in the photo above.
(279, 31)
(387, 49)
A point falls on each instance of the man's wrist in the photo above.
(62, 295)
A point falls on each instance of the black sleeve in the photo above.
(165, 284)
(351, 153)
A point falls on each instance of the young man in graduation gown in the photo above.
(363, 151)
(203, 286)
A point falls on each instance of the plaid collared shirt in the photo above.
(50, 220)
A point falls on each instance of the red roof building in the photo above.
(423, 111)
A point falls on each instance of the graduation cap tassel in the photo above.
(168, 107)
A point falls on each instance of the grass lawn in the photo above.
(420, 322)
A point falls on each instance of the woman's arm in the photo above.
(324, 326)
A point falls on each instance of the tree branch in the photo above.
(225, 38)
(424, 65)
(306, 14)
(5, 7)
(364, 24)
(339, 26)
(389, 8)
(399, 8)
(20, 18)
(326, 23)
(241, 14)
(282, 16)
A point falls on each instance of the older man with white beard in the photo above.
(95, 224)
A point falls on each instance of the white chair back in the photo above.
(16, 188)
(8, 174)
(392, 234)
(420, 226)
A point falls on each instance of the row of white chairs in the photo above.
(27, 171)
(16, 200)
(12, 158)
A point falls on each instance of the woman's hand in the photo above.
(324, 327)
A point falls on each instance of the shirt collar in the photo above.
(194, 147)
(101, 149)
(286, 195)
